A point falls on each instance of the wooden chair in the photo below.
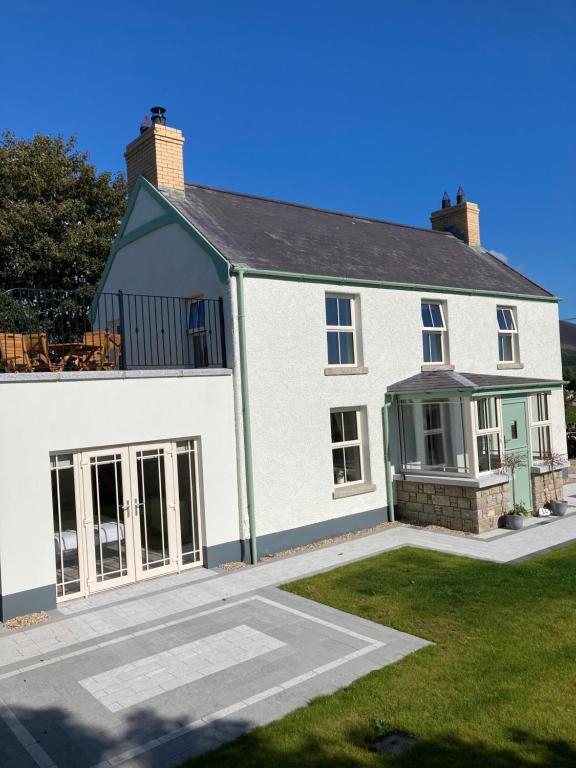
(14, 348)
(37, 344)
(107, 357)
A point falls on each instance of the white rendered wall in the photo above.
(41, 417)
(291, 397)
(145, 209)
(166, 262)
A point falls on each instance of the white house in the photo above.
(274, 374)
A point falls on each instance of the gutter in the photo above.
(246, 426)
(387, 463)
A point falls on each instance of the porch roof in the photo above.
(453, 381)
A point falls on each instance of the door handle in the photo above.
(126, 509)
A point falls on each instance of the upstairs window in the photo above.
(341, 330)
(433, 332)
(540, 426)
(487, 434)
(507, 335)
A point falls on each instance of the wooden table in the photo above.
(74, 354)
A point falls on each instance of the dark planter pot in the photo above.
(559, 508)
(515, 522)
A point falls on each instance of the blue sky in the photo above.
(368, 107)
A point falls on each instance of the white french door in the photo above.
(108, 524)
(140, 512)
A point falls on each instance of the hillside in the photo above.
(568, 342)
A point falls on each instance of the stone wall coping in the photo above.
(145, 373)
(544, 469)
(483, 481)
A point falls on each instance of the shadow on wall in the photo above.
(71, 743)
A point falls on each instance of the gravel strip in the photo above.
(309, 547)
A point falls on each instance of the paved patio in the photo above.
(154, 673)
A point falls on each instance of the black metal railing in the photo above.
(43, 329)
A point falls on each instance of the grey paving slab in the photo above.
(162, 673)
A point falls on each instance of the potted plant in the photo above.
(509, 464)
(515, 517)
(557, 506)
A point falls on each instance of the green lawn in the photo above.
(571, 414)
(497, 690)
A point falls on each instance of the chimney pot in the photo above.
(158, 115)
(462, 219)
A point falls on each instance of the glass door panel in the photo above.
(188, 502)
(153, 510)
(109, 529)
(67, 544)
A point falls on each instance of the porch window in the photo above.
(433, 436)
(487, 434)
(341, 330)
(347, 464)
(507, 335)
(540, 426)
(433, 332)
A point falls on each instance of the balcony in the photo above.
(45, 330)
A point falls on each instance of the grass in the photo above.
(571, 414)
(497, 689)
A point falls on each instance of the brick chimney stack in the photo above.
(157, 154)
(462, 219)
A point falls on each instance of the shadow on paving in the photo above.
(71, 744)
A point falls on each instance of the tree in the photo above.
(58, 216)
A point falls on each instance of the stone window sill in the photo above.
(344, 370)
(341, 492)
(437, 367)
(510, 366)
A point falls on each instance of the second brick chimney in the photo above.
(462, 219)
(157, 154)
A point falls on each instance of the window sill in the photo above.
(510, 366)
(437, 367)
(341, 492)
(344, 370)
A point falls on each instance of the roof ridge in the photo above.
(319, 210)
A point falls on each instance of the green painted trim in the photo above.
(510, 389)
(387, 463)
(502, 389)
(427, 394)
(145, 229)
(247, 428)
(299, 276)
(172, 216)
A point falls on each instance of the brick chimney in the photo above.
(462, 219)
(156, 154)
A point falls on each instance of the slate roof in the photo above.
(258, 233)
(431, 380)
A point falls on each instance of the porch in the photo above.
(46, 330)
(454, 432)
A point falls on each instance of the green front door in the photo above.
(515, 424)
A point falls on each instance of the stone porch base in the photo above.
(461, 508)
(473, 510)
